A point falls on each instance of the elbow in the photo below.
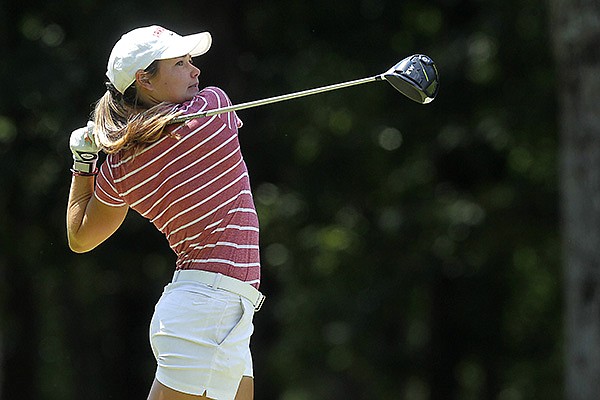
(78, 247)
(75, 248)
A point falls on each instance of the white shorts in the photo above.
(200, 337)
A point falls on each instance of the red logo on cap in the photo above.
(158, 31)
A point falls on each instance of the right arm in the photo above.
(89, 221)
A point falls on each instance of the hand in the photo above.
(85, 149)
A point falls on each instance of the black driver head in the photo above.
(416, 77)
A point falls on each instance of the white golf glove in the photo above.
(85, 150)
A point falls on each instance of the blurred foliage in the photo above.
(409, 252)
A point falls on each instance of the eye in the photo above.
(183, 61)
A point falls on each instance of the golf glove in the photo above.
(85, 150)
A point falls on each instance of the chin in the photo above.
(187, 97)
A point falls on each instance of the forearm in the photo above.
(80, 194)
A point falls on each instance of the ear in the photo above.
(141, 77)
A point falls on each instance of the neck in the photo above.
(148, 101)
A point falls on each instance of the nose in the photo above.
(195, 71)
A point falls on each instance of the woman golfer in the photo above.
(191, 182)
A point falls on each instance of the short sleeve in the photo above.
(211, 98)
(222, 100)
(105, 190)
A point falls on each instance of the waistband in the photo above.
(224, 282)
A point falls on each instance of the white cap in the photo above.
(139, 48)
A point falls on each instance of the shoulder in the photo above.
(208, 98)
(216, 95)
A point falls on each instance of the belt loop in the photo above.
(217, 281)
(259, 302)
(176, 275)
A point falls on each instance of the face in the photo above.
(175, 81)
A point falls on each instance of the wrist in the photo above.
(84, 167)
(77, 173)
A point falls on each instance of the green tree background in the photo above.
(409, 252)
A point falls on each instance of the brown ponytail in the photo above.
(123, 124)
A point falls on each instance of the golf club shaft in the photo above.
(275, 99)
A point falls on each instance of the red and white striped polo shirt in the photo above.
(194, 187)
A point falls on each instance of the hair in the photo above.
(122, 123)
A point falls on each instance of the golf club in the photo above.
(416, 77)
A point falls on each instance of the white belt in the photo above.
(220, 281)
